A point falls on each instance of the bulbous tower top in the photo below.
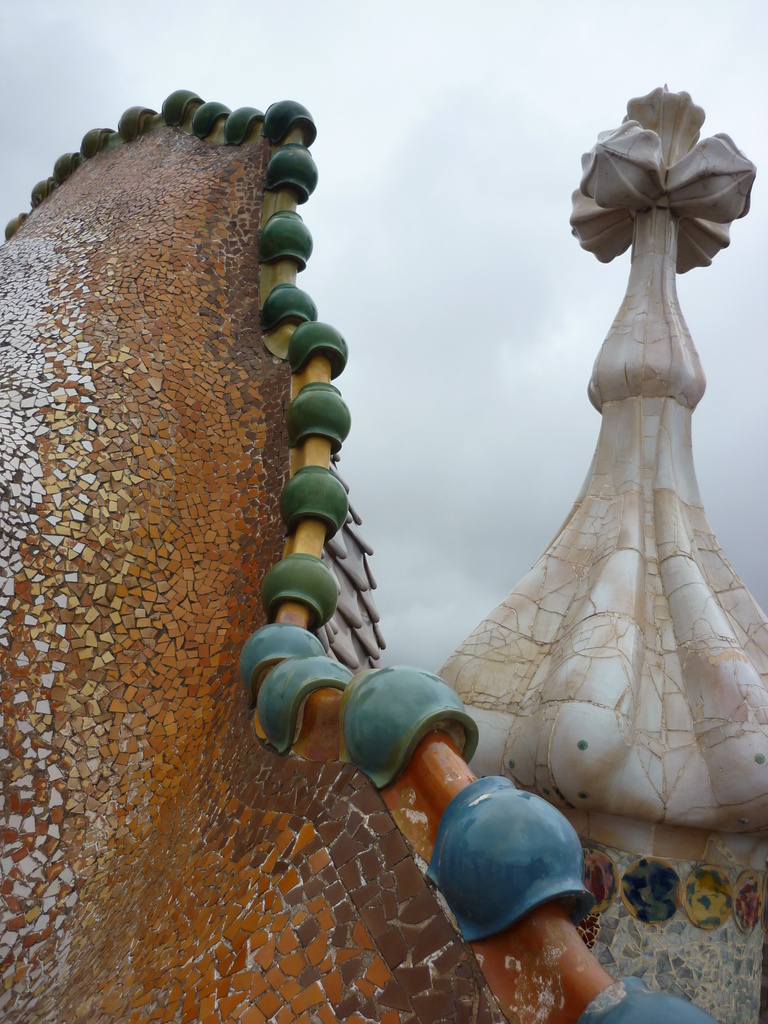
(627, 670)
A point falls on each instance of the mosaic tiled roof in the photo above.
(352, 635)
(160, 860)
(144, 454)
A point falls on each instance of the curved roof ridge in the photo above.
(212, 122)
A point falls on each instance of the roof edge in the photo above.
(213, 122)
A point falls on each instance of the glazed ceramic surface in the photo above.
(651, 890)
(717, 968)
(708, 898)
(628, 667)
(601, 878)
(747, 900)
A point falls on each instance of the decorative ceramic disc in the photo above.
(708, 896)
(651, 890)
(746, 900)
(601, 878)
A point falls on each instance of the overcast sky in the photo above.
(449, 142)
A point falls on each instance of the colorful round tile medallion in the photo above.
(708, 896)
(601, 878)
(651, 890)
(746, 900)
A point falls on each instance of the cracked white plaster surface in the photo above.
(631, 661)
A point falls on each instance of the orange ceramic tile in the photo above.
(360, 937)
(332, 984)
(269, 1003)
(347, 954)
(253, 1015)
(306, 835)
(207, 1006)
(326, 1015)
(293, 964)
(378, 972)
(284, 1016)
(315, 951)
(229, 1004)
(290, 989)
(287, 942)
(289, 880)
(266, 954)
(311, 996)
(259, 984)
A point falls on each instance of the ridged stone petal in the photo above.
(713, 181)
(605, 233)
(624, 168)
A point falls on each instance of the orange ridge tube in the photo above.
(309, 536)
(320, 728)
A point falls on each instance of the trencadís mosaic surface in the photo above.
(624, 678)
(685, 928)
(157, 863)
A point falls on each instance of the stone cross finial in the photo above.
(625, 677)
(655, 159)
(652, 184)
(628, 669)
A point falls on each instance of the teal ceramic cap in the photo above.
(292, 167)
(240, 123)
(271, 644)
(135, 121)
(13, 225)
(316, 492)
(94, 141)
(316, 339)
(287, 686)
(206, 116)
(501, 852)
(386, 712)
(284, 115)
(318, 410)
(287, 303)
(41, 191)
(285, 236)
(304, 579)
(177, 106)
(629, 1002)
(66, 165)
